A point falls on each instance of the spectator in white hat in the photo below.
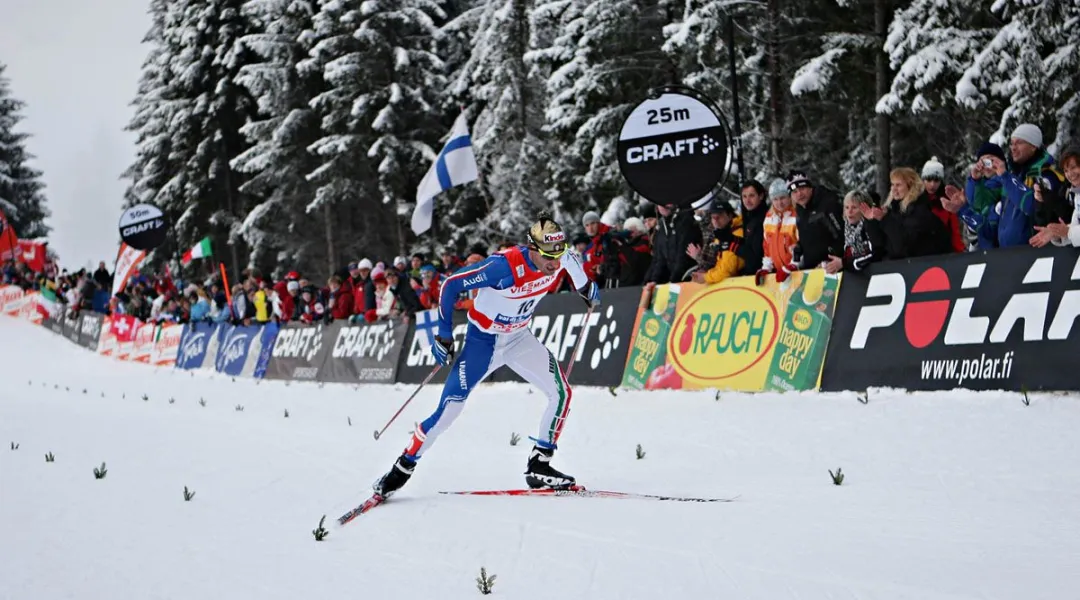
(780, 232)
(1033, 165)
(933, 177)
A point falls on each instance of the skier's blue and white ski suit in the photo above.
(509, 288)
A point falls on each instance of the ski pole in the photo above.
(577, 346)
(379, 433)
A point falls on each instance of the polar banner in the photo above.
(363, 353)
(299, 351)
(559, 322)
(143, 227)
(998, 320)
(674, 147)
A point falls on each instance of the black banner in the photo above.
(416, 361)
(338, 352)
(90, 329)
(558, 322)
(362, 353)
(993, 320)
(299, 351)
(71, 327)
(55, 321)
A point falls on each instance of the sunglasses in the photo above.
(551, 255)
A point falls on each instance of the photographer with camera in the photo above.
(996, 204)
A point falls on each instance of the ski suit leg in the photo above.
(537, 365)
(470, 367)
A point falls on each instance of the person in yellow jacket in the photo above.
(725, 241)
(262, 303)
(780, 234)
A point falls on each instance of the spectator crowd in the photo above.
(1014, 197)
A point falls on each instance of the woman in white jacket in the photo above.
(1063, 234)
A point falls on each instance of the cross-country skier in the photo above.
(510, 284)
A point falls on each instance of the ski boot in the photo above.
(397, 476)
(540, 474)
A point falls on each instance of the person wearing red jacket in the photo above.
(594, 252)
(339, 299)
(933, 172)
(429, 287)
(285, 299)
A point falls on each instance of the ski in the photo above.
(582, 492)
(367, 505)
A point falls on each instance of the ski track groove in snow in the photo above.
(947, 496)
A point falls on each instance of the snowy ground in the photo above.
(947, 495)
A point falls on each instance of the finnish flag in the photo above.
(427, 322)
(455, 165)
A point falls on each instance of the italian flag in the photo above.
(47, 304)
(201, 250)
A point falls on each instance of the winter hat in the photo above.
(990, 149)
(797, 179)
(1029, 133)
(379, 277)
(634, 224)
(777, 189)
(933, 169)
(365, 264)
(719, 207)
(377, 272)
(427, 269)
(590, 217)
(293, 286)
(400, 260)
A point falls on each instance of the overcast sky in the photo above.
(76, 63)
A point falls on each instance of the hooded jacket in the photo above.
(674, 233)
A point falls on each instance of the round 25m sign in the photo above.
(674, 147)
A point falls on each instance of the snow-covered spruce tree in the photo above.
(191, 88)
(506, 103)
(930, 44)
(358, 65)
(157, 104)
(21, 191)
(279, 229)
(696, 40)
(400, 96)
(1031, 64)
(843, 145)
(602, 60)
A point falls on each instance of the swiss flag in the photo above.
(33, 254)
(124, 327)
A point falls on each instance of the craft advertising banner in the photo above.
(734, 335)
(363, 353)
(298, 352)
